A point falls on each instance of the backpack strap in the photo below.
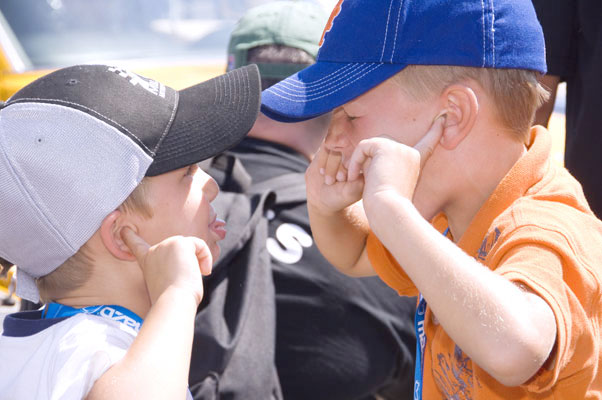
(228, 172)
(231, 176)
(289, 188)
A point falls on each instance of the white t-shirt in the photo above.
(58, 358)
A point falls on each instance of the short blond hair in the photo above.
(516, 93)
(76, 271)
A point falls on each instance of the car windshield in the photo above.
(55, 33)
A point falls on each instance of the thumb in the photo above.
(204, 256)
(135, 243)
(429, 141)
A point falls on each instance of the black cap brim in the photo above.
(211, 117)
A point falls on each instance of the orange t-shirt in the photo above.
(537, 229)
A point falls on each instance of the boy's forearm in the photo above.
(341, 238)
(156, 365)
(504, 330)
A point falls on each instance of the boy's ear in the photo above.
(110, 233)
(462, 107)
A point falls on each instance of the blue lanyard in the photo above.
(420, 343)
(115, 313)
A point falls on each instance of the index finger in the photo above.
(429, 141)
(135, 243)
(319, 161)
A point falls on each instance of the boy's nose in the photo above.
(337, 138)
(211, 189)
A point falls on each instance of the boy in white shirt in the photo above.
(109, 220)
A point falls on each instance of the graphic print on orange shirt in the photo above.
(454, 374)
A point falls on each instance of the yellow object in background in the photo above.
(6, 280)
(176, 42)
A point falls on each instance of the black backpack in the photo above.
(234, 343)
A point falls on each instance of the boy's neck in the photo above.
(113, 282)
(488, 166)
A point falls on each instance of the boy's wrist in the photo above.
(386, 209)
(182, 296)
(319, 210)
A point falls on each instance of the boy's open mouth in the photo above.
(218, 227)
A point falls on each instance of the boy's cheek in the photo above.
(153, 231)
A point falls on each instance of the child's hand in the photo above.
(388, 166)
(330, 196)
(328, 190)
(176, 262)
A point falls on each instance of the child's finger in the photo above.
(427, 144)
(320, 159)
(203, 255)
(332, 167)
(135, 243)
(341, 173)
(364, 151)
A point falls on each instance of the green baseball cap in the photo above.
(296, 24)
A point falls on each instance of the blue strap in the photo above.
(420, 343)
(115, 313)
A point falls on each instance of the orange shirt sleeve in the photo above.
(387, 268)
(559, 280)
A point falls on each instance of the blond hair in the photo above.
(515, 93)
(76, 271)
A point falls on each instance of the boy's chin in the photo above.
(215, 251)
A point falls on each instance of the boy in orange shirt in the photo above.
(434, 103)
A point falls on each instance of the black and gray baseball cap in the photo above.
(75, 143)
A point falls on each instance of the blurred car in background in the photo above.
(176, 42)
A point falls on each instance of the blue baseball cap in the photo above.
(365, 42)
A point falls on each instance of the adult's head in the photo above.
(281, 38)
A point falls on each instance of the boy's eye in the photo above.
(349, 117)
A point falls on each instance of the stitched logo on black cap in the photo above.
(154, 87)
